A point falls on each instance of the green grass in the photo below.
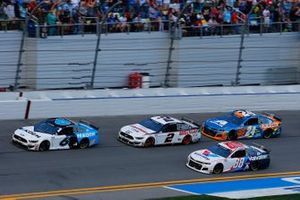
(205, 197)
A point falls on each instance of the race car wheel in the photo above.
(218, 169)
(84, 143)
(149, 142)
(253, 166)
(187, 140)
(44, 146)
(232, 135)
(72, 142)
(267, 133)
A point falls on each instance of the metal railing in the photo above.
(78, 74)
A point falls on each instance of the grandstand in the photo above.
(91, 44)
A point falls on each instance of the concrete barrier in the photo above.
(78, 103)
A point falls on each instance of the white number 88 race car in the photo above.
(228, 157)
(159, 130)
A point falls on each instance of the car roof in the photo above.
(60, 122)
(165, 119)
(243, 114)
(233, 145)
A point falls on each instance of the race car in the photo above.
(242, 124)
(57, 133)
(159, 130)
(229, 156)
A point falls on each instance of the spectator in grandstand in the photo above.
(2, 11)
(295, 17)
(52, 21)
(266, 18)
(9, 10)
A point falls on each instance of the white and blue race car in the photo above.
(229, 156)
(57, 133)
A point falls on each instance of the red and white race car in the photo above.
(160, 130)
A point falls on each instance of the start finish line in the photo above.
(243, 188)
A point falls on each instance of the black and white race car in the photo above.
(160, 130)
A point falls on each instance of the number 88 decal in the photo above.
(239, 163)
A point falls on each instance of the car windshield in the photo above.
(151, 124)
(234, 119)
(46, 127)
(220, 150)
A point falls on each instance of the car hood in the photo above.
(28, 133)
(205, 155)
(136, 130)
(220, 123)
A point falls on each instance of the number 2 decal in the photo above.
(169, 137)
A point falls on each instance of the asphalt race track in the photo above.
(114, 163)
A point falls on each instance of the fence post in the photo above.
(98, 43)
(261, 26)
(239, 66)
(174, 26)
(21, 50)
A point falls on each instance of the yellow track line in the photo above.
(81, 191)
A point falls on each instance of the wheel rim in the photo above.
(149, 142)
(186, 140)
(44, 146)
(231, 136)
(267, 134)
(217, 169)
(254, 166)
(83, 145)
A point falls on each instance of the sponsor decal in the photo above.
(220, 123)
(233, 145)
(82, 135)
(31, 133)
(138, 128)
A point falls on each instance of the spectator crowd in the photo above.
(74, 16)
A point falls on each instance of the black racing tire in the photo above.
(187, 140)
(44, 146)
(254, 166)
(72, 142)
(267, 133)
(218, 169)
(231, 135)
(149, 142)
(84, 143)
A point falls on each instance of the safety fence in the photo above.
(173, 56)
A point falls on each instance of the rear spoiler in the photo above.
(261, 147)
(190, 121)
(272, 115)
(88, 124)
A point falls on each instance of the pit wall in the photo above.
(122, 102)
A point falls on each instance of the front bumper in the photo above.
(130, 141)
(25, 143)
(198, 166)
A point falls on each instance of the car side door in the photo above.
(61, 139)
(236, 161)
(166, 135)
(252, 128)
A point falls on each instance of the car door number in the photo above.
(239, 163)
(169, 137)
